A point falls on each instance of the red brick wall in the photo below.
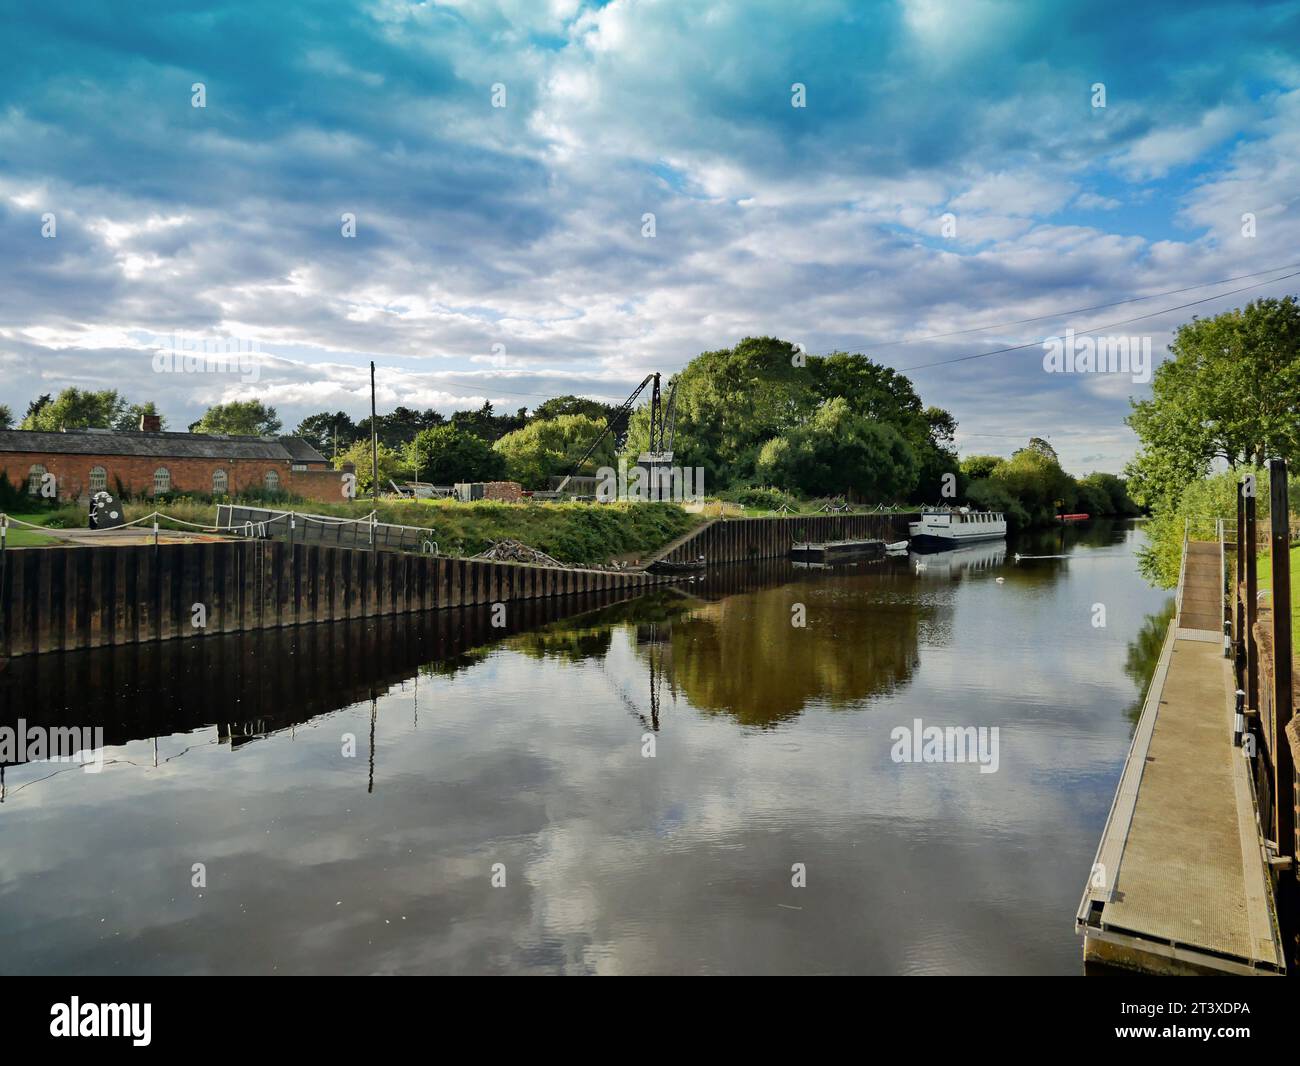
(187, 475)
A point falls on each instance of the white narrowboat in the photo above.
(947, 529)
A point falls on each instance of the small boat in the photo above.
(897, 546)
(948, 529)
(836, 550)
(689, 566)
(1073, 517)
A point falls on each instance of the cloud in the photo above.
(510, 238)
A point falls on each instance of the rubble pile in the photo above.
(513, 551)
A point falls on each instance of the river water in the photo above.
(686, 783)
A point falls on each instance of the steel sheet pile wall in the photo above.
(59, 599)
(734, 540)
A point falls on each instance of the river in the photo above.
(691, 782)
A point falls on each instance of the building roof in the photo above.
(160, 445)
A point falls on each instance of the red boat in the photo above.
(1072, 517)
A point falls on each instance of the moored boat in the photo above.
(947, 529)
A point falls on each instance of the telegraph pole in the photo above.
(374, 437)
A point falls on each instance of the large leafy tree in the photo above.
(729, 403)
(248, 418)
(486, 424)
(319, 431)
(6, 416)
(392, 466)
(572, 405)
(75, 408)
(447, 454)
(1230, 392)
(839, 451)
(400, 426)
(552, 447)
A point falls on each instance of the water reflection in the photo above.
(525, 747)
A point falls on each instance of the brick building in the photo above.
(148, 462)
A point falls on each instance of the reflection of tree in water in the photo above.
(1143, 654)
(742, 657)
(590, 635)
(564, 642)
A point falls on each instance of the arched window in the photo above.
(98, 479)
(34, 478)
(220, 483)
(162, 480)
(272, 481)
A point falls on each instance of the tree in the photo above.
(978, 467)
(1228, 393)
(241, 418)
(130, 418)
(488, 426)
(319, 431)
(445, 455)
(552, 446)
(75, 408)
(36, 406)
(1037, 481)
(392, 466)
(573, 405)
(398, 428)
(729, 403)
(6, 417)
(839, 451)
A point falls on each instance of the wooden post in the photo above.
(1252, 605)
(1284, 765)
(1238, 608)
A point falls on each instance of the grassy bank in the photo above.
(571, 532)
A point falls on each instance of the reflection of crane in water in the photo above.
(657, 641)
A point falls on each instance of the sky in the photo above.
(951, 171)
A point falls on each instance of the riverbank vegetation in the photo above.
(571, 532)
(1226, 400)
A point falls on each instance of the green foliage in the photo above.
(447, 454)
(1035, 481)
(1108, 495)
(392, 466)
(762, 397)
(245, 418)
(75, 408)
(13, 498)
(572, 405)
(130, 417)
(989, 495)
(6, 416)
(551, 447)
(1196, 509)
(1228, 393)
(838, 451)
(760, 499)
(319, 431)
(978, 467)
(399, 427)
(487, 425)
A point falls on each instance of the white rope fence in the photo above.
(247, 528)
